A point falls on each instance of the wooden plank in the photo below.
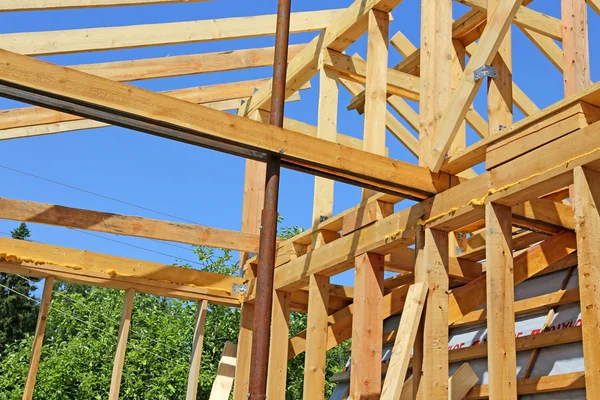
(407, 330)
(461, 382)
(125, 37)
(502, 364)
(38, 338)
(436, 70)
(326, 129)
(575, 46)
(316, 334)
(367, 328)
(587, 200)
(107, 268)
(376, 84)
(196, 360)
(200, 125)
(49, 214)
(280, 329)
(221, 387)
(500, 95)
(32, 5)
(547, 46)
(339, 34)
(434, 270)
(244, 353)
(458, 65)
(117, 371)
(452, 116)
(543, 384)
(595, 4)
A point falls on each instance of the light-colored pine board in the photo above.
(280, 329)
(196, 360)
(587, 200)
(124, 37)
(461, 382)
(458, 66)
(38, 338)
(575, 46)
(32, 5)
(326, 129)
(547, 46)
(244, 352)
(543, 384)
(595, 4)
(502, 370)
(367, 327)
(407, 331)
(316, 335)
(223, 382)
(117, 371)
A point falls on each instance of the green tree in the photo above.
(18, 314)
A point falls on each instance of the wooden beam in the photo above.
(244, 353)
(595, 4)
(117, 371)
(452, 116)
(502, 371)
(376, 84)
(575, 46)
(327, 130)
(280, 330)
(587, 200)
(316, 334)
(542, 384)
(190, 123)
(407, 331)
(458, 66)
(125, 37)
(434, 270)
(367, 328)
(117, 272)
(97, 221)
(547, 46)
(461, 382)
(339, 35)
(38, 338)
(197, 344)
(223, 382)
(32, 5)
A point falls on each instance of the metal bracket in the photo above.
(502, 127)
(237, 288)
(459, 250)
(485, 70)
(323, 218)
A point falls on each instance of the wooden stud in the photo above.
(367, 328)
(434, 270)
(461, 382)
(117, 371)
(326, 129)
(38, 338)
(197, 344)
(316, 335)
(500, 303)
(587, 219)
(280, 329)
(223, 382)
(376, 88)
(575, 46)
(458, 66)
(30, 5)
(416, 390)
(244, 352)
(407, 331)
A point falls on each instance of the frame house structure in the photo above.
(457, 253)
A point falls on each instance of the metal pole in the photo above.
(268, 231)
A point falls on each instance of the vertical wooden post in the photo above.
(117, 372)
(500, 98)
(502, 362)
(575, 46)
(587, 227)
(316, 337)
(196, 360)
(280, 330)
(376, 88)
(416, 392)
(244, 353)
(367, 327)
(436, 69)
(38, 339)
(458, 65)
(434, 271)
(221, 387)
(326, 129)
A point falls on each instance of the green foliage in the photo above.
(81, 334)
(18, 314)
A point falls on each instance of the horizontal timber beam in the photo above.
(97, 269)
(33, 5)
(50, 214)
(34, 81)
(126, 37)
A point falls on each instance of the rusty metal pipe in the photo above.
(268, 233)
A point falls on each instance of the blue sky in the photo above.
(189, 182)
